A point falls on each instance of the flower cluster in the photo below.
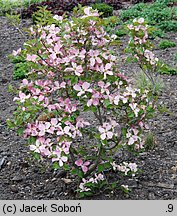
(107, 130)
(138, 26)
(94, 180)
(139, 42)
(83, 165)
(150, 57)
(125, 168)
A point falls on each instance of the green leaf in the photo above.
(26, 116)
(36, 155)
(100, 168)
(74, 171)
(66, 167)
(74, 80)
(99, 145)
(31, 140)
(106, 103)
(80, 174)
(124, 131)
(93, 109)
(107, 165)
(20, 131)
(86, 108)
(131, 115)
(114, 185)
(55, 165)
(10, 124)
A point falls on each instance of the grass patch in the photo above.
(156, 32)
(166, 69)
(142, 82)
(158, 14)
(175, 58)
(122, 31)
(164, 44)
(150, 142)
(20, 70)
(107, 10)
(168, 26)
(21, 67)
(7, 6)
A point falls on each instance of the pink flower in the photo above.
(134, 108)
(58, 157)
(82, 54)
(24, 82)
(65, 146)
(35, 148)
(130, 26)
(132, 140)
(60, 160)
(58, 18)
(82, 89)
(133, 167)
(76, 68)
(117, 99)
(150, 57)
(94, 100)
(88, 12)
(125, 187)
(98, 177)
(141, 20)
(105, 131)
(31, 57)
(81, 123)
(57, 48)
(54, 122)
(94, 57)
(15, 53)
(82, 164)
(82, 186)
(67, 131)
(107, 70)
(42, 129)
(132, 135)
(41, 147)
(22, 97)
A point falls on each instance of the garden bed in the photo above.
(22, 178)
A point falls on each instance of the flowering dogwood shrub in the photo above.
(74, 75)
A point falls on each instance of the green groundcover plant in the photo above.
(73, 75)
(159, 14)
(164, 44)
(107, 10)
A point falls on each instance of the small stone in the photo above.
(67, 181)
(9, 163)
(132, 183)
(27, 188)
(14, 189)
(2, 161)
(54, 179)
(4, 79)
(166, 186)
(151, 196)
(17, 178)
(175, 181)
(60, 174)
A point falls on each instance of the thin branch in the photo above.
(113, 146)
(72, 156)
(93, 167)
